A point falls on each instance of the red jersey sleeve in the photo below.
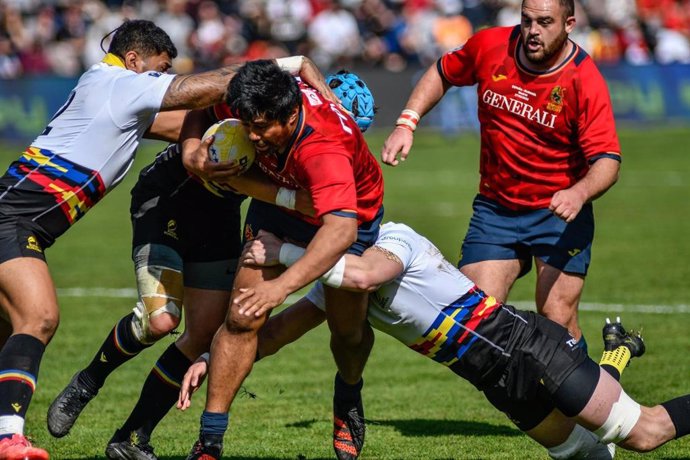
(329, 178)
(596, 125)
(458, 66)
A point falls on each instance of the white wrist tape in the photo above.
(408, 119)
(286, 198)
(289, 254)
(206, 357)
(334, 276)
(291, 64)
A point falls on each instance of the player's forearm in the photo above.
(255, 184)
(195, 124)
(600, 177)
(198, 90)
(166, 126)
(326, 248)
(428, 91)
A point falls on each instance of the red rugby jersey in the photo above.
(539, 131)
(328, 157)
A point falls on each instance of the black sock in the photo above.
(119, 347)
(159, 393)
(20, 359)
(679, 411)
(613, 372)
(343, 391)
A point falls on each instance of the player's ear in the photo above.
(569, 24)
(132, 60)
(294, 116)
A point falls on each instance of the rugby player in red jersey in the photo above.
(302, 142)
(548, 149)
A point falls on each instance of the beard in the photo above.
(547, 52)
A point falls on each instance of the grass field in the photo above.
(416, 409)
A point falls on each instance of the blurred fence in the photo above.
(648, 94)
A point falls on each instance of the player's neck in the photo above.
(549, 65)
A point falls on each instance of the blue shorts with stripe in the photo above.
(271, 218)
(498, 233)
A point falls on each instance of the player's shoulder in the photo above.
(394, 231)
(496, 35)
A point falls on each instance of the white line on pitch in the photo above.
(130, 293)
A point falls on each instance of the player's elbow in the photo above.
(365, 281)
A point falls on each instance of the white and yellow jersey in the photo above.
(86, 149)
(104, 118)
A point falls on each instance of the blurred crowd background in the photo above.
(63, 37)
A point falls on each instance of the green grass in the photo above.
(417, 409)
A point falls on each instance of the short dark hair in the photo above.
(142, 36)
(261, 89)
(569, 6)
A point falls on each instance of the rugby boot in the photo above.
(207, 448)
(19, 448)
(129, 447)
(615, 335)
(348, 424)
(65, 409)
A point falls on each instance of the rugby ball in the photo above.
(230, 142)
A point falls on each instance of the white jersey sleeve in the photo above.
(103, 120)
(138, 97)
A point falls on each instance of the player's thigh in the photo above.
(557, 292)
(205, 310)
(495, 277)
(553, 430)
(28, 297)
(346, 311)
(566, 247)
(595, 412)
(247, 276)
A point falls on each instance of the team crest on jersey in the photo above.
(154, 74)
(556, 100)
(171, 231)
(32, 243)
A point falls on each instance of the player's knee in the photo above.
(162, 325)
(159, 308)
(347, 337)
(150, 326)
(236, 323)
(46, 326)
(582, 444)
(623, 416)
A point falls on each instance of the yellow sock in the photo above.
(618, 358)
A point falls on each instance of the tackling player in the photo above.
(526, 365)
(302, 142)
(548, 148)
(84, 152)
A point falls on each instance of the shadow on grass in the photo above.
(431, 427)
(225, 457)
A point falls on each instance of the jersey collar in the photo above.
(112, 59)
(524, 68)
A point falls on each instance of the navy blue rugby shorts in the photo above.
(498, 233)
